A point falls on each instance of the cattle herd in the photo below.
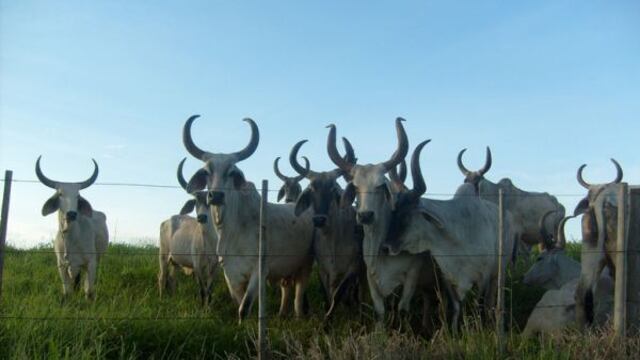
(393, 239)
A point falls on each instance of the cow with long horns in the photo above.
(599, 233)
(82, 236)
(337, 245)
(526, 207)
(235, 207)
(189, 243)
(291, 188)
(459, 235)
(376, 201)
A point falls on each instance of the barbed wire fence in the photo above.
(627, 301)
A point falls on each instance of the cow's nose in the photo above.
(202, 218)
(216, 198)
(319, 221)
(72, 216)
(365, 217)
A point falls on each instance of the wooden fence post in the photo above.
(4, 221)
(633, 261)
(501, 273)
(620, 299)
(263, 353)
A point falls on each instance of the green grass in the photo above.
(129, 321)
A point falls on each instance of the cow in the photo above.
(553, 267)
(337, 243)
(599, 233)
(235, 208)
(291, 188)
(82, 236)
(559, 274)
(189, 243)
(525, 207)
(376, 200)
(460, 235)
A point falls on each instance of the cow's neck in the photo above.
(241, 216)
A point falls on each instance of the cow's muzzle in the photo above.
(203, 218)
(71, 216)
(365, 217)
(216, 198)
(319, 221)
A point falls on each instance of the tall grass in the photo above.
(129, 321)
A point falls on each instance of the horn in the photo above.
(307, 170)
(350, 155)
(293, 159)
(188, 140)
(619, 173)
(403, 147)
(43, 179)
(181, 179)
(487, 163)
(461, 166)
(419, 186)
(401, 176)
(277, 170)
(543, 230)
(85, 184)
(584, 184)
(561, 241)
(253, 143)
(334, 155)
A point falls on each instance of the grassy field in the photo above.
(129, 321)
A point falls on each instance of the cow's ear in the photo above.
(198, 181)
(304, 201)
(390, 195)
(84, 207)
(432, 218)
(188, 207)
(52, 205)
(582, 207)
(238, 178)
(281, 193)
(348, 196)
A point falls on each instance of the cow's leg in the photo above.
(67, 284)
(585, 292)
(285, 296)
(301, 302)
(338, 294)
(236, 286)
(377, 298)
(454, 299)
(163, 274)
(249, 296)
(89, 281)
(211, 277)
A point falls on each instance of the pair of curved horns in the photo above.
(54, 184)
(586, 185)
(350, 158)
(482, 171)
(198, 153)
(399, 173)
(346, 166)
(183, 182)
(284, 178)
(561, 240)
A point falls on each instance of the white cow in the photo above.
(82, 236)
(235, 208)
(376, 200)
(190, 244)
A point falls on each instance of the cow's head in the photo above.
(474, 177)
(323, 190)
(291, 188)
(199, 202)
(219, 173)
(595, 190)
(553, 259)
(368, 183)
(67, 200)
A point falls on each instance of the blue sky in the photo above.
(549, 85)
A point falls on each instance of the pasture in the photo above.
(129, 321)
